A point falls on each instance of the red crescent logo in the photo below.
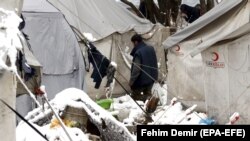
(215, 56)
(178, 48)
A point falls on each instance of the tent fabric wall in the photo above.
(51, 33)
(216, 84)
(225, 26)
(239, 74)
(227, 89)
(184, 70)
(55, 46)
(101, 18)
(208, 76)
(185, 74)
(114, 46)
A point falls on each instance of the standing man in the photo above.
(144, 70)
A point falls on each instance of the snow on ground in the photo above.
(74, 98)
(174, 113)
(26, 133)
(89, 36)
(129, 114)
(124, 108)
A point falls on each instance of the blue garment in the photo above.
(100, 64)
(207, 121)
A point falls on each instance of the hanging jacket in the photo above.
(100, 64)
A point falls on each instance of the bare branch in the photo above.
(138, 13)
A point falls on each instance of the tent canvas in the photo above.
(111, 26)
(101, 18)
(114, 46)
(209, 64)
(202, 22)
(55, 46)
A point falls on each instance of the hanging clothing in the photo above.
(24, 67)
(110, 75)
(100, 64)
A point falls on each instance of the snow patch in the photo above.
(89, 36)
(10, 41)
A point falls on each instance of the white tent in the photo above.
(112, 26)
(101, 18)
(55, 46)
(208, 61)
(192, 3)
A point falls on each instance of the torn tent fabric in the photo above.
(100, 64)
